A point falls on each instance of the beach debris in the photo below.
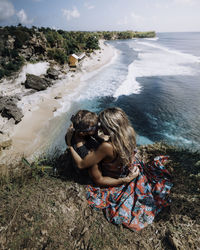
(58, 97)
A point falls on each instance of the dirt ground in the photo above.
(40, 211)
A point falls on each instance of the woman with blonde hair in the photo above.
(132, 204)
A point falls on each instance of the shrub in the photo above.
(2, 73)
(58, 55)
(20, 38)
(92, 43)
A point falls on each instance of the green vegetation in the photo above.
(19, 44)
(129, 34)
(58, 55)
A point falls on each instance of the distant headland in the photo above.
(19, 44)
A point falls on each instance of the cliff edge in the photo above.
(43, 212)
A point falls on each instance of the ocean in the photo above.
(156, 81)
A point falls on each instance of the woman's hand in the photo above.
(132, 175)
(69, 135)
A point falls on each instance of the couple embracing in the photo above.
(128, 191)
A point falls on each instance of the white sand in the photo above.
(41, 110)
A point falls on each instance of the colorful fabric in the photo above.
(136, 204)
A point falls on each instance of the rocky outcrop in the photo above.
(10, 42)
(38, 42)
(9, 109)
(52, 73)
(36, 82)
(35, 47)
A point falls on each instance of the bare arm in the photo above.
(94, 157)
(106, 181)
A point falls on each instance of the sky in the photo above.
(93, 15)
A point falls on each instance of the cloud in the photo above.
(137, 19)
(123, 21)
(89, 6)
(185, 1)
(23, 18)
(162, 5)
(6, 10)
(132, 19)
(69, 14)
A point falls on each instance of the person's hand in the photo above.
(132, 175)
(69, 135)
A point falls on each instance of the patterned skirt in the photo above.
(136, 204)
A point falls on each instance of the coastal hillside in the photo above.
(41, 211)
(19, 44)
(35, 75)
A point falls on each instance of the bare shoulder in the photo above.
(106, 147)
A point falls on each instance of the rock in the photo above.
(10, 42)
(38, 42)
(9, 109)
(5, 142)
(34, 48)
(30, 92)
(8, 126)
(52, 73)
(36, 82)
(57, 97)
(12, 112)
(197, 164)
(27, 53)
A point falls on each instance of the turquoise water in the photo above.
(157, 83)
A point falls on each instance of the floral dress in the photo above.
(135, 204)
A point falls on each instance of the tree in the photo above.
(92, 43)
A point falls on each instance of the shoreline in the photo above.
(43, 110)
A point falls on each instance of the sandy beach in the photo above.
(42, 110)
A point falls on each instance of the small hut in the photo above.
(81, 56)
(73, 60)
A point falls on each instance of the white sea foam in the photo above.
(138, 50)
(188, 57)
(155, 60)
(89, 75)
(152, 39)
(142, 140)
(130, 85)
(93, 84)
(180, 139)
(82, 90)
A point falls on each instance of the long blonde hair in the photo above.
(122, 135)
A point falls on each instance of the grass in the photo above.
(39, 211)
